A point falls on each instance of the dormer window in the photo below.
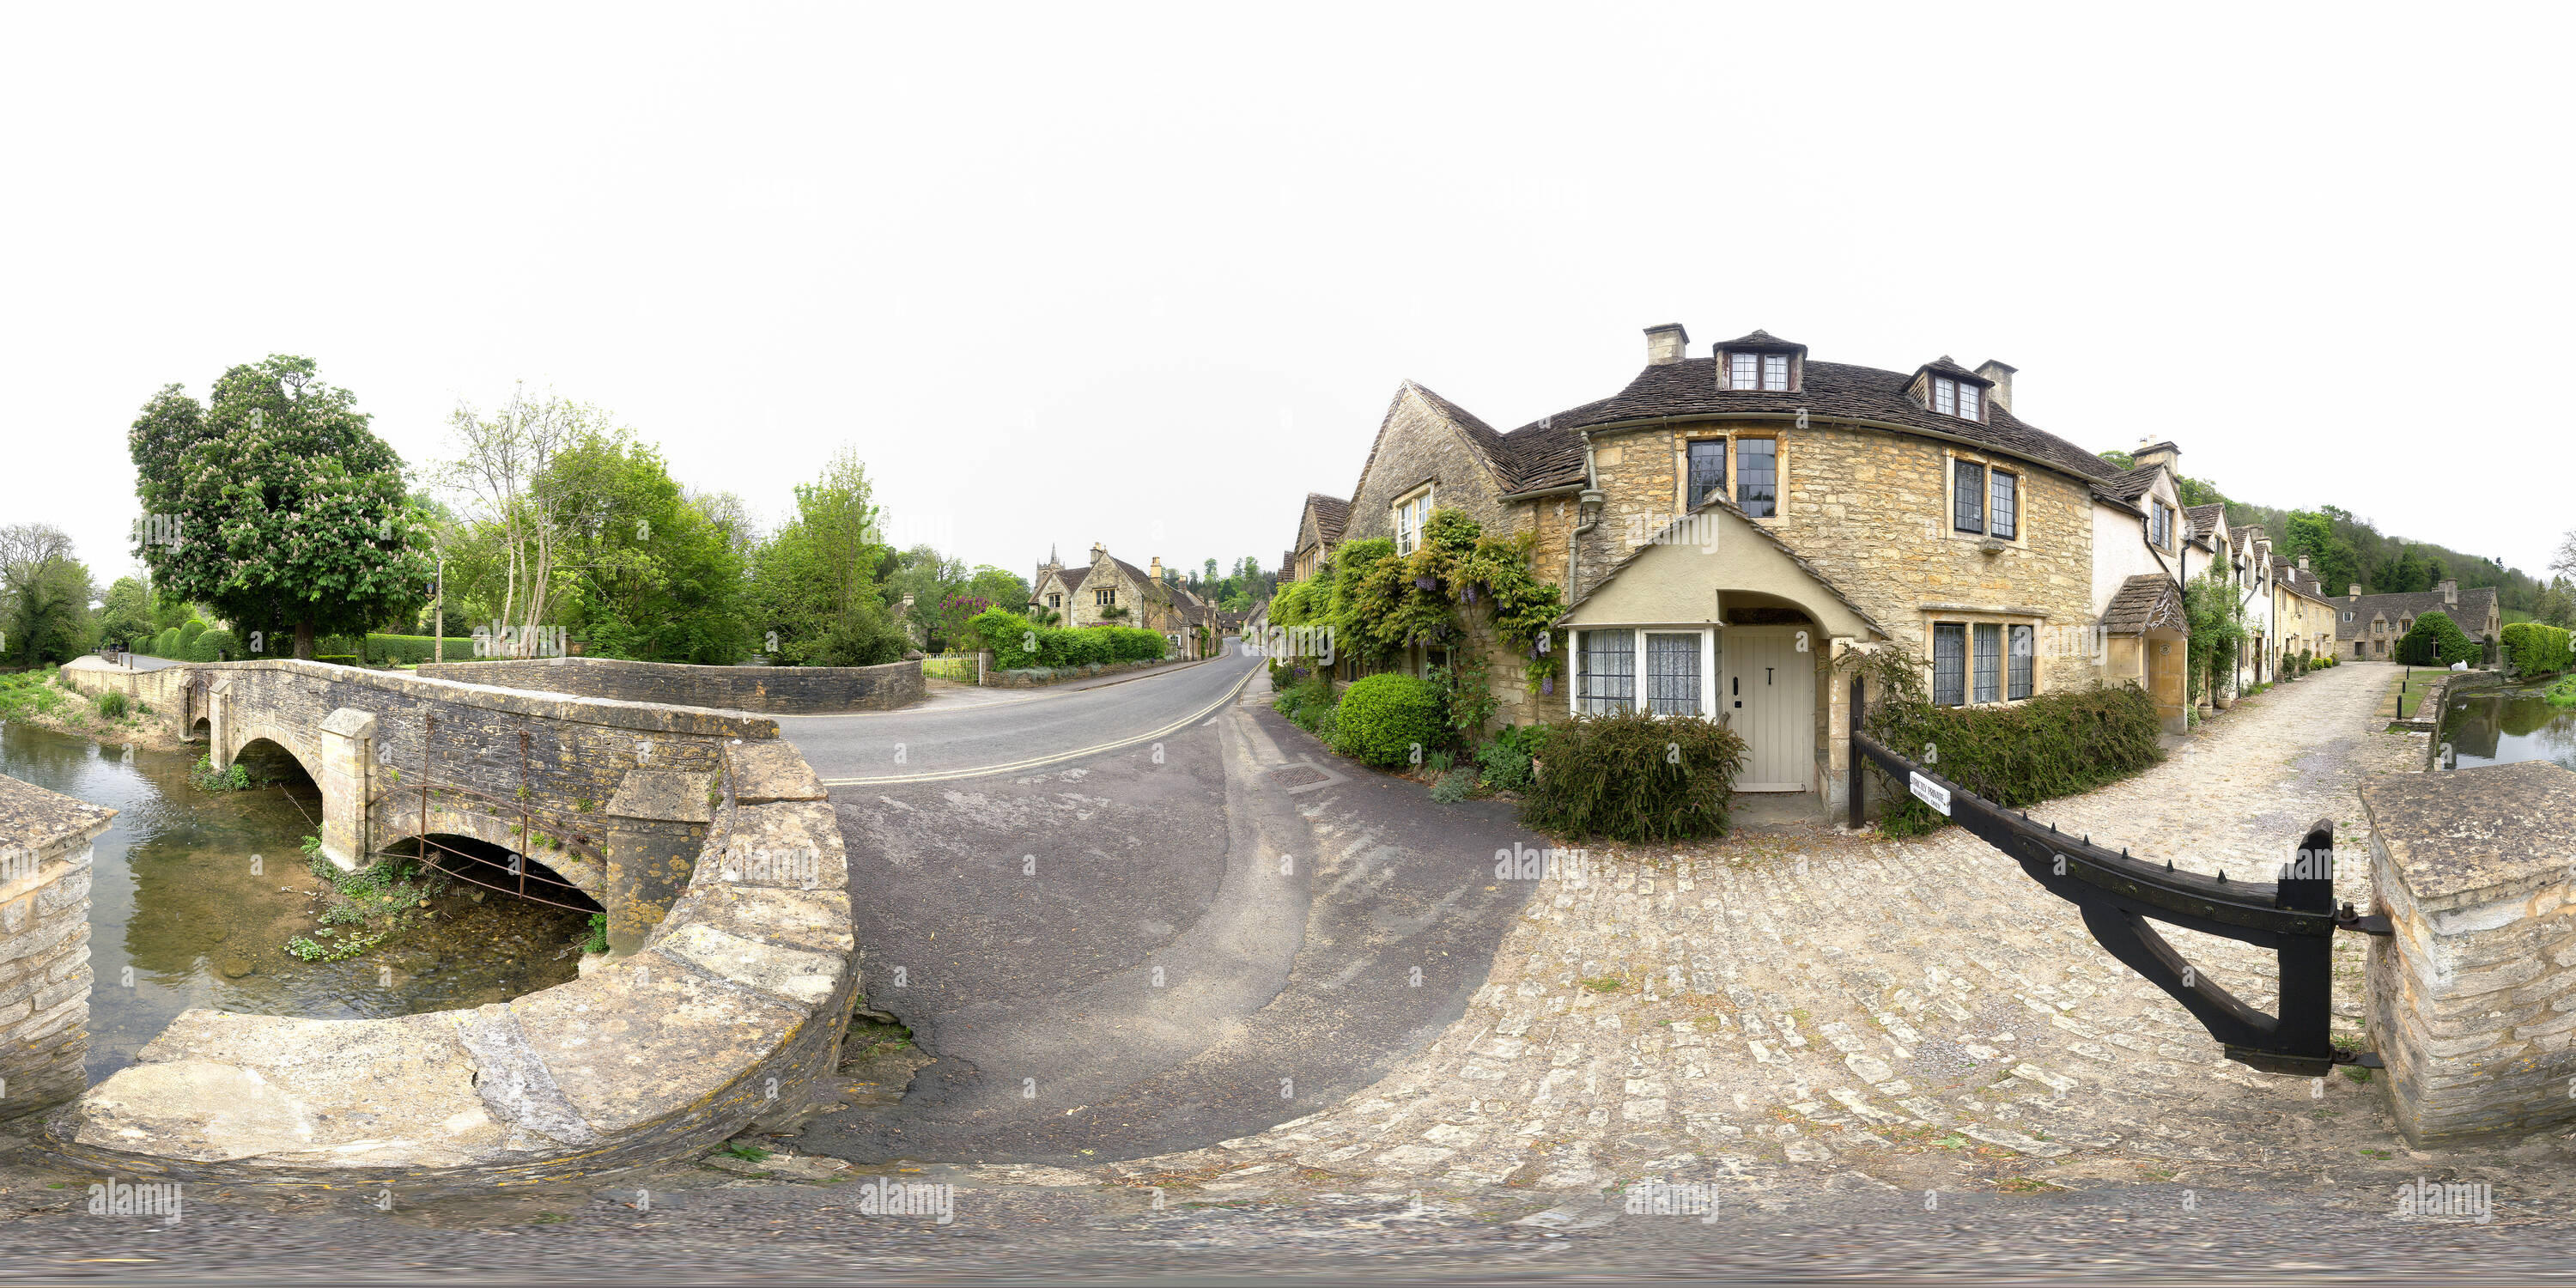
(1955, 398)
(1762, 371)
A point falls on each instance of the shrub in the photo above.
(864, 642)
(166, 644)
(2535, 648)
(188, 633)
(2436, 640)
(1385, 719)
(1635, 777)
(1507, 767)
(412, 650)
(111, 705)
(2561, 694)
(2052, 745)
(1453, 786)
(215, 646)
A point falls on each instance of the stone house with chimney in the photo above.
(2367, 627)
(2301, 611)
(2139, 561)
(1109, 591)
(1726, 525)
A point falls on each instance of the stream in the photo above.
(2500, 726)
(195, 895)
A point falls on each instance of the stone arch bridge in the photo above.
(614, 795)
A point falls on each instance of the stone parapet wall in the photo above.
(2472, 1001)
(165, 691)
(774, 690)
(735, 1003)
(45, 853)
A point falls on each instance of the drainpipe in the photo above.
(1587, 508)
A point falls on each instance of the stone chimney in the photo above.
(2001, 373)
(1098, 550)
(2450, 594)
(1666, 344)
(1154, 570)
(2355, 592)
(2303, 563)
(2165, 454)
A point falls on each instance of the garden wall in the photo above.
(774, 690)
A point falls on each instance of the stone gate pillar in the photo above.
(45, 849)
(2473, 998)
(655, 826)
(348, 757)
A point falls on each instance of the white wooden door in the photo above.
(1770, 693)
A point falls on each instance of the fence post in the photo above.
(1851, 753)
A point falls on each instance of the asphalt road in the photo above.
(954, 736)
(1154, 947)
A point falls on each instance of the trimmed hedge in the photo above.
(2436, 640)
(1019, 646)
(412, 650)
(2536, 648)
(166, 644)
(1390, 719)
(215, 646)
(188, 633)
(2052, 745)
(1634, 777)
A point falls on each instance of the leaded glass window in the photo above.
(1949, 663)
(1608, 681)
(1945, 396)
(1968, 400)
(1740, 370)
(2005, 489)
(1707, 469)
(1968, 497)
(1672, 674)
(2025, 644)
(1757, 476)
(1990, 662)
(1775, 371)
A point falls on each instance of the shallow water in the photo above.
(195, 895)
(2500, 726)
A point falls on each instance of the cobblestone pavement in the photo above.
(1802, 1010)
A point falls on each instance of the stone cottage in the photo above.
(1726, 525)
(2368, 626)
(1319, 532)
(2302, 611)
(1110, 591)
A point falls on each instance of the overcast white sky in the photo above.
(1077, 273)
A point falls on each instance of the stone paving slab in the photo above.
(1806, 1008)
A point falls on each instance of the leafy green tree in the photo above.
(126, 617)
(646, 574)
(44, 595)
(815, 597)
(276, 505)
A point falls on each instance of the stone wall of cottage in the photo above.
(1870, 511)
(1419, 444)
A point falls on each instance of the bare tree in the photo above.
(2565, 563)
(502, 475)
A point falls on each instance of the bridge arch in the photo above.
(397, 825)
(236, 737)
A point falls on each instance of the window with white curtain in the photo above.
(1672, 673)
(1743, 371)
